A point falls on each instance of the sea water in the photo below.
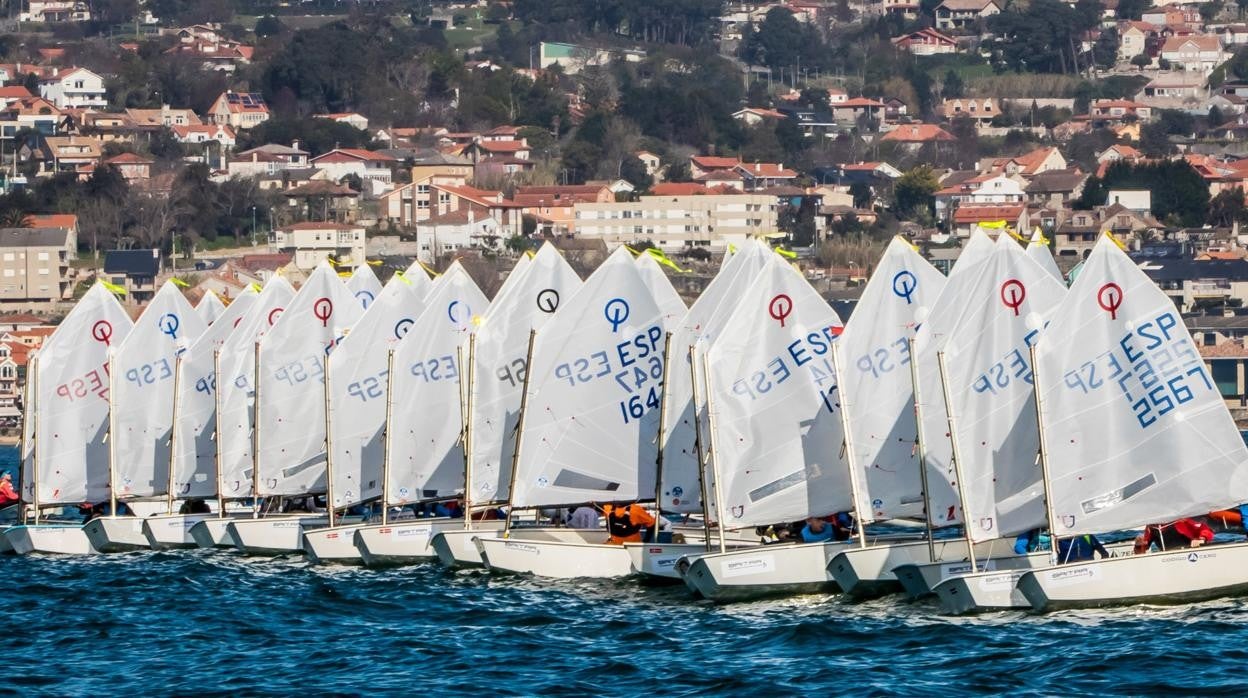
(160, 623)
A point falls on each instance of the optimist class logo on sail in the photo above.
(636, 364)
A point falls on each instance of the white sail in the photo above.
(236, 382)
(364, 286)
(681, 486)
(290, 414)
(592, 410)
(661, 288)
(961, 289)
(30, 412)
(73, 388)
(875, 367)
(524, 304)
(988, 371)
(1135, 428)
(358, 389)
(425, 448)
(209, 308)
(1038, 250)
(195, 443)
(976, 250)
(142, 400)
(774, 405)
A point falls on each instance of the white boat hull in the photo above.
(867, 573)
(273, 535)
(1179, 576)
(556, 559)
(761, 571)
(169, 531)
(658, 560)
(213, 532)
(404, 542)
(116, 534)
(53, 539)
(333, 545)
(455, 547)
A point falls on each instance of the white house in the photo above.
(313, 241)
(1138, 200)
(960, 14)
(456, 230)
(372, 168)
(74, 88)
(56, 11)
(1197, 52)
(1001, 189)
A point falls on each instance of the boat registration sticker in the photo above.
(999, 582)
(408, 532)
(522, 547)
(747, 566)
(1073, 575)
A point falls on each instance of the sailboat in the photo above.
(497, 358)
(1038, 250)
(291, 373)
(358, 398)
(144, 373)
(867, 572)
(776, 429)
(1133, 431)
(424, 457)
(682, 478)
(209, 308)
(234, 376)
(873, 355)
(984, 381)
(193, 443)
(70, 458)
(589, 421)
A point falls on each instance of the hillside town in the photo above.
(226, 141)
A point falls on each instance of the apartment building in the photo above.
(675, 223)
(34, 264)
(313, 241)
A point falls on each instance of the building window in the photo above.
(1209, 339)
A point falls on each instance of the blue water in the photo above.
(207, 621)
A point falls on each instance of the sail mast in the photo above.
(658, 461)
(173, 431)
(255, 436)
(329, 450)
(1044, 460)
(703, 483)
(386, 434)
(710, 418)
(918, 442)
(112, 435)
(851, 458)
(216, 418)
(32, 388)
(957, 458)
(466, 399)
(515, 453)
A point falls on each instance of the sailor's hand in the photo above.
(1198, 542)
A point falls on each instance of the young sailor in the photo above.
(626, 523)
(1184, 533)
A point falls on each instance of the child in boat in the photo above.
(836, 527)
(7, 495)
(1184, 533)
(1031, 541)
(626, 522)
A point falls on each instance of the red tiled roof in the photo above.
(53, 220)
(678, 189)
(980, 214)
(129, 159)
(918, 133)
(712, 162)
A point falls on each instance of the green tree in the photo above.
(1215, 117)
(862, 195)
(268, 25)
(1226, 208)
(1105, 50)
(913, 193)
(952, 86)
(1132, 9)
(633, 171)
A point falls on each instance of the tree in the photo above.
(1180, 195)
(952, 86)
(1226, 208)
(268, 25)
(1154, 141)
(1105, 50)
(496, 13)
(1141, 61)
(1210, 10)
(913, 193)
(633, 171)
(1215, 118)
(678, 172)
(862, 195)
(1132, 9)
